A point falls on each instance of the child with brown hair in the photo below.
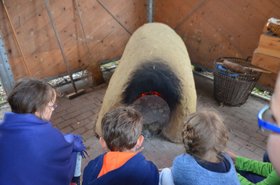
(33, 152)
(123, 163)
(204, 137)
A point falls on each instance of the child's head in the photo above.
(121, 129)
(33, 96)
(204, 132)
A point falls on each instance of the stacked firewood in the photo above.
(273, 25)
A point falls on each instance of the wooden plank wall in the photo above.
(215, 28)
(108, 25)
(210, 29)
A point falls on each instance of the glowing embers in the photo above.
(154, 93)
(155, 112)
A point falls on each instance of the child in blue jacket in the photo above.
(204, 137)
(122, 164)
(33, 152)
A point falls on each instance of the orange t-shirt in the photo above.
(114, 160)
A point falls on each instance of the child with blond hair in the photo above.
(204, 137)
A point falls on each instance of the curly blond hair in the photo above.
(204, 131)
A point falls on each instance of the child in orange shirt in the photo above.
(123, 164)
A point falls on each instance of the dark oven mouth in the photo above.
(155, 112)
(155, 91)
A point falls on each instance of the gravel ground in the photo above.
(2, 95)
(4, 107)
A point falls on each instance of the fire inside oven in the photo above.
(154, 90)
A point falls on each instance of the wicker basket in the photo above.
(233, 88)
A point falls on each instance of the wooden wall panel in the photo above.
(174, 13)
(267, 81)
(108, 25)
(213, 29)
(210, 29)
